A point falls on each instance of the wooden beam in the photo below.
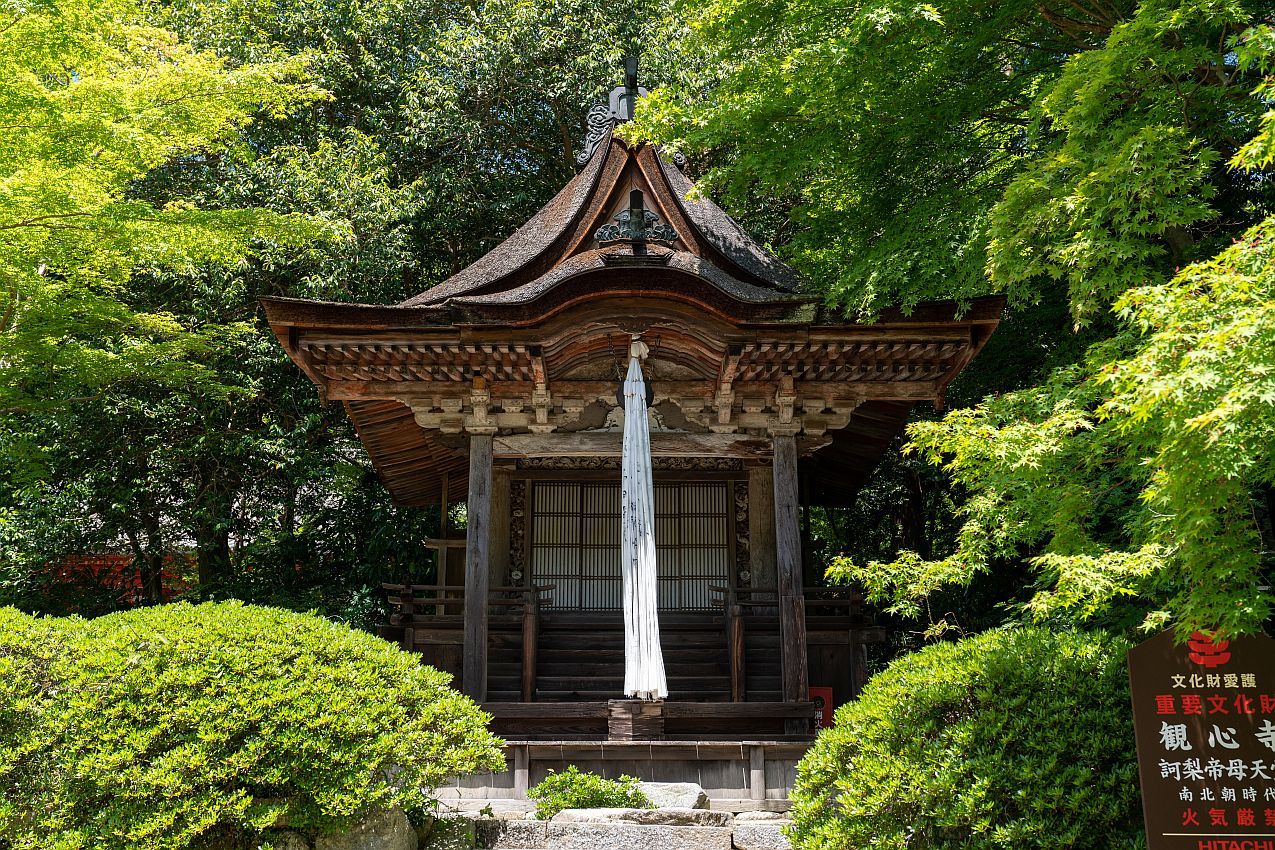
(861, 387)
(545, 710)
(477, 575)
(792, 620)
(605, 443)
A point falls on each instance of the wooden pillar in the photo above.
(442, 574)
(761, 527)
(757, 772)
(477, 574)
(522, 770)
(792, 603)
(499, 554)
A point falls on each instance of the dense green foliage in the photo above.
(1016, 739)
(575, 789)
(1104, 156)
(91, 99)
(180, 725)
(1103, 163)
(444, 127)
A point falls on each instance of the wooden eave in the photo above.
(390, 359)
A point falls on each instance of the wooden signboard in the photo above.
(1204, 719)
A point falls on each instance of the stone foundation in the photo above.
(735, 776)
(693, 825)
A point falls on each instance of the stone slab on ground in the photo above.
(761, 816)
(447, 833)
(381, 831)
(632, 836)
(650, 817)
(500, 808)
(493, 814)
(512, 834)
(761, 835)
(675, 795)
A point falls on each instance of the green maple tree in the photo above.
(91, 99)
(1110, 156)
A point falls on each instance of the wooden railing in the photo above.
(413, 600)
(733, 620)
(736, 601)
(416, 604)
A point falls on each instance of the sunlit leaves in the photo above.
(1075, 150)
(1132, 478)
(91, 99)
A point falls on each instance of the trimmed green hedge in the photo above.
(574, 789)
(180, 726)
(1006, 741)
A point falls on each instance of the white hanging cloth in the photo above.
(643, 660)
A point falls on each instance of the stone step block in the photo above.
(761, 835)
(649, 817)
(632, 836)
(512, 834)
(675, 795)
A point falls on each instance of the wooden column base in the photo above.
(635, 720)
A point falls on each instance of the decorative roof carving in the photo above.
(542, 251)
(637, 223)
(598, 126)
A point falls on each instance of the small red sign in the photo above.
(822, 698)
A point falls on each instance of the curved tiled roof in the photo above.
(725, 234)
(543, 251)
(526, 243)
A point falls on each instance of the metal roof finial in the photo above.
(630, 83)
(624, 98)
(619, 108)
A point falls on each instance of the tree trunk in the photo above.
(912, 518)
(212, 542)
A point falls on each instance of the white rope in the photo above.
(643, 661)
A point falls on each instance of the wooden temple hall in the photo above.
(502, 387)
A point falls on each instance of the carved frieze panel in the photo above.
(517, 530)
(742, 573)
(669, 464)
(765, 410)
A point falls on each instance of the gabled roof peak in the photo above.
(620, 184)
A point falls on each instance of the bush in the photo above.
(572, 789)
(181, 725)
(1018, 739)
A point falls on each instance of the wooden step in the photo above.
(584, 683)
(616, 693)
(671, 659)
(681, 669)
(764, 696)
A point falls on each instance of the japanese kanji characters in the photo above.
(1266, 734)
(1173, 736)
(1223, 738)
